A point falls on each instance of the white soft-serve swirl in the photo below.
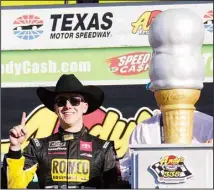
(176, 37)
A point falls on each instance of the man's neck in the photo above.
(73, 128)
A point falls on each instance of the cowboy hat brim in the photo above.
(93, 95)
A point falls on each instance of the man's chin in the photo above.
(67, 123)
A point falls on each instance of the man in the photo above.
(149, 132)
(71, 158)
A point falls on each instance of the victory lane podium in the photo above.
(171, 166)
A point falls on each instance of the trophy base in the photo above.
(172, 166)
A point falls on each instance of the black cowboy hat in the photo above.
(93, 95)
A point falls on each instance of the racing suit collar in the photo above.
(69, 135)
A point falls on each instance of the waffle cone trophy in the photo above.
(177, 107)
(177, 70)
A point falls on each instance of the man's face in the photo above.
(70, 108)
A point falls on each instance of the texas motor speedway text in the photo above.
(95, 25)
(68, 35)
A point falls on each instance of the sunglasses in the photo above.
(74, 101)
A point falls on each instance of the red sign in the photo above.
(130, 64)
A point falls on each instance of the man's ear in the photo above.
(85, 107)
(56, 110)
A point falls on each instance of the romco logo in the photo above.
(28, 27)
(107, 124)
(130, 64)
(72, 170)
(143, 22)
(79, 25)
(208, 21)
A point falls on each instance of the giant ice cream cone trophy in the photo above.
(177, 70)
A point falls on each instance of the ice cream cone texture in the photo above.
(177, 70)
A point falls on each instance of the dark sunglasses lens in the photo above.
(75, 101)
(61, 102)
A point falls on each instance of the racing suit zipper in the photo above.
(68, 151)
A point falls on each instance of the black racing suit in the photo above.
(64, 160)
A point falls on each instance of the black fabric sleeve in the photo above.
(14, 154)
(30, 154)
(111, 174)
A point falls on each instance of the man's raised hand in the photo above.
(18, 134)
